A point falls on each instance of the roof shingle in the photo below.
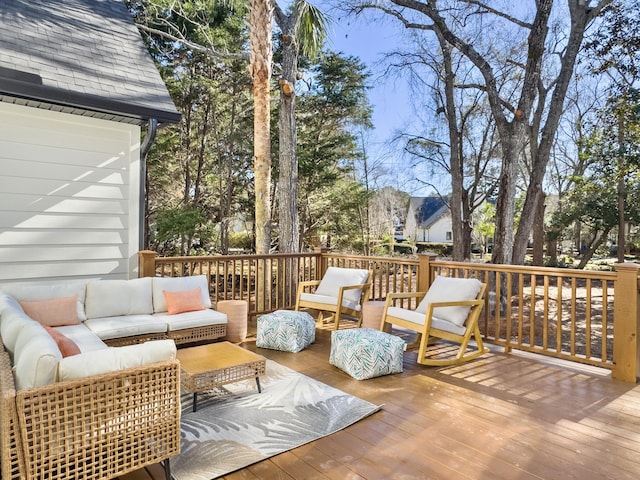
(88, 54)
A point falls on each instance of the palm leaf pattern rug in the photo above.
(236, 426)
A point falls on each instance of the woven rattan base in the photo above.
(208, 366)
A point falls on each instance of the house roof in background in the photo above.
(427, 210)
(80, 56)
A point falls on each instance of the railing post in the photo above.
(322, 260)
(626, 323)
(146, 263)
(424, 270)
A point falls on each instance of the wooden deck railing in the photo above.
(583, 316)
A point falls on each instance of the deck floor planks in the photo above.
(504, 416)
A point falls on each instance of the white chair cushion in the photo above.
(419, 318)
(446, 289)
(33, 291)
(314, 297)
(198, 318)
(126, 326)
(115, 358)
(178, 284)
(337, 277)
(85, 339)
(36, 357)
(110, 298)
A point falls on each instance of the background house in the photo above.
(428, 220)
(77, 87)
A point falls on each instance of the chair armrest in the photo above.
(461, 303)
(354, 287)
(308, 283)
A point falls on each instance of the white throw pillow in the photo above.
(178, 284)
(337, 277)
(448, 289)
(114, 359)
(113, 298)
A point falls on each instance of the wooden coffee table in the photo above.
(208, 366)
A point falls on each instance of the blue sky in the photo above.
(390, 97)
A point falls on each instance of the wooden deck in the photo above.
(506, 416)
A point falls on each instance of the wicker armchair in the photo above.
(98, 427)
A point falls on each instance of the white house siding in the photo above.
(68, 196)
(436, 233)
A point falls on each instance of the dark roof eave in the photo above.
(83, 101)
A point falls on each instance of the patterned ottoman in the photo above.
(286, 330)
(366, 353)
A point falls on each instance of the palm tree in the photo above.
(303, 31)
(261, 54)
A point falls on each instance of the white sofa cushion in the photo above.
(336, 277)
(115, 358)
(12, 320)
(198, 318)
(126, 326)
(111, 298)
(34, 291)
(83, 337)
(419, 318)
(314, 297)
(448, 289)
(178, 284)
(36, 357)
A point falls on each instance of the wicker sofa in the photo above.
(112, 404)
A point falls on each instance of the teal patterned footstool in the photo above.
(366, 353)
(286, 330)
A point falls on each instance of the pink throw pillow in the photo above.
(54, 312)
(185, 301)
(67, 346)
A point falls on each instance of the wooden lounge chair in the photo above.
(449, 310)
(340, 292)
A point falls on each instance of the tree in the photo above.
(303, 30)
(261, 53)
(616, 53)
(513, 114)
(331, 111)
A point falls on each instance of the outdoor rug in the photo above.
(236, 426)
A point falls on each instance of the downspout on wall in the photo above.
(152, 128)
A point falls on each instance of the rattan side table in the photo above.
(237, 316)
(372, 315)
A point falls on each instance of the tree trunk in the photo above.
(261, 52)
(539, 234)
(288, 220)
(455, 153)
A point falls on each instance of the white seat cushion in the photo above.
(447, 289)
(327, 300)
(83, 337)
(178, 284)
(111, 298)
(126, 326)
(337, 277)
(198, 318)
(419, 318)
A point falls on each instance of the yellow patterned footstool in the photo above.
(366, 353)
